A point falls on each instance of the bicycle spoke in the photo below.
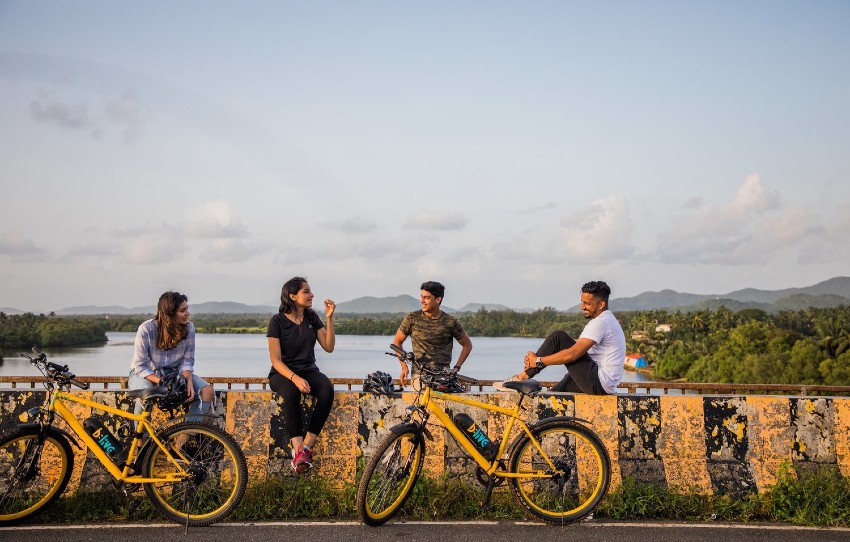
(576, 484)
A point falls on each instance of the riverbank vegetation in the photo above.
(803, 497)
(27, 330)
(810, 347)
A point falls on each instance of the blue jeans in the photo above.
(197, 406)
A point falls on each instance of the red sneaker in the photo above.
(303, 460)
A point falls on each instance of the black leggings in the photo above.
(293, 415)
(582, 374)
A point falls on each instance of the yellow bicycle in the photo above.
(557, 468)
(193, 472)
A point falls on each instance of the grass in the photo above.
(814, 497)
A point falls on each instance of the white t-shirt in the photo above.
(609, 352)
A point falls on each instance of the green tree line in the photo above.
(809, 346)
(24, 331)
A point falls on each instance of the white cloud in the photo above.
(546, 207)
(156, 249)
(600, 232)
(128, 113)
(49, 109)
(215, 220)
(62, 106)
(753, 197)
(21, 249)
(354, 225)
(742, 232)
(827, 243)
(231, 251)
(96, 250)
(437, 221)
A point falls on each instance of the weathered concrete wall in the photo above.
(719, 444)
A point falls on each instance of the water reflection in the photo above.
(247, 355)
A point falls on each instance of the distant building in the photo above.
(664, 328)
(635, 361)
(639, 336)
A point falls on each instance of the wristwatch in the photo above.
(539, 365)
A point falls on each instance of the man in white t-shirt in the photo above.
(594, 361)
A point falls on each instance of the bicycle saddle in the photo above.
(523, 386)
(148, 393)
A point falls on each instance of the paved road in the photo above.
(430, 532)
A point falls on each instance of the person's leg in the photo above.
(203, 402)
(292, 419)
(556, 341)
(322, 389)
(582, 377)
(135, 382)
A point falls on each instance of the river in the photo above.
(247, 355)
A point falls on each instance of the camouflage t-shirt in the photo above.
(432, 338)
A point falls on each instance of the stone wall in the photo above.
(719, 444)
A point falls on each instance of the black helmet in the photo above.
(447, 383)
(177, 391)
(380, 383)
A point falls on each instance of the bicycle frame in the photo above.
(427, 401)
(56, 405)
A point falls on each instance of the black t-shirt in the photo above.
(297, 342)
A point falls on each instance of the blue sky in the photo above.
(511, 150)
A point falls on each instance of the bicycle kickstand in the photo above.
(491, 483)
(133, 503)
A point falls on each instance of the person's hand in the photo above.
(404, 373)
(454, 370)
(190, 391)
(330, 307)
(302, 385)
(530, 360)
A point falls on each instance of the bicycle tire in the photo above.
(24, 492)
(581, 460)
(219, 474)
(390, 475)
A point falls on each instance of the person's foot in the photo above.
(302, 460)
(500, 385)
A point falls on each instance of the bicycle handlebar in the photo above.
(422, 365)
(53, 371)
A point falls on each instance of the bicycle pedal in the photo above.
(134, 503)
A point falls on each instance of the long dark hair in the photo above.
(169, 332)
(290, 287)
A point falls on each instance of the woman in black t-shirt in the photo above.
(292, 335)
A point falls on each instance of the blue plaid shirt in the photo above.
(148, 359)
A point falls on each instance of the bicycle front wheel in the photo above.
(576, 468)
(217, 471)
(390, 475)
(32, 474)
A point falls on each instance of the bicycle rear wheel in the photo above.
(390, 475)
(577, 484)
(32, 475)
(217, 471)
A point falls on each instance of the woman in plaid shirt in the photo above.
(166, 345)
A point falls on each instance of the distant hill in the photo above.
(209, 307)
(110, 309)
(829, 293)
(475, 307)
(655, 300)
(795, 302)
(838, 286)
(10, 310)
(378, 305)
(231, 307)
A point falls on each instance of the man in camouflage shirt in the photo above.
(431, 332)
